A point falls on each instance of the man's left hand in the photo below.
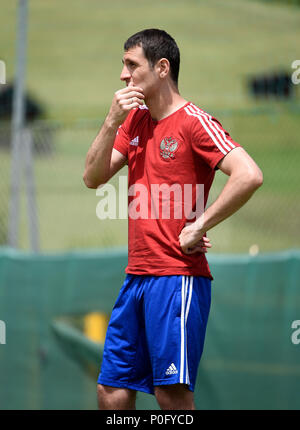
(192, 240)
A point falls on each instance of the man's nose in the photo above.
(125, 75)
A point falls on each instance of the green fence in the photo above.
(249, 361)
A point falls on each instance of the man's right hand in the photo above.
(124, 100)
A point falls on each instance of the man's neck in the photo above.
(164, 103)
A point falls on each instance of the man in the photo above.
(156, 332)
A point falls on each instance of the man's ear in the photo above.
(163, 66)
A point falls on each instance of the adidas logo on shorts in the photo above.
(171, 370)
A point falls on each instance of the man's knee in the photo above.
(115, 398)
(102, 392)
(176, 396)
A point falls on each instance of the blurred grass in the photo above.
(75, 48)
(74, 62)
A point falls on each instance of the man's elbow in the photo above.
(89, 182)
(255, 179)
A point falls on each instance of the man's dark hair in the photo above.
(157, 44)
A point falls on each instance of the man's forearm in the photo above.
(97, 164)
(234, 195)
(244, 179)
(98, 159)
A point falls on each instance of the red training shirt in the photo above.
(179, 151)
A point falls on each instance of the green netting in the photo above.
(249, 360)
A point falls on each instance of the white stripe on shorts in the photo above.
(183, 319)
(187, 379)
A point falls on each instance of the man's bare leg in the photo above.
(176, 396)
(115, 398)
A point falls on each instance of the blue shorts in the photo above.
(156, 332)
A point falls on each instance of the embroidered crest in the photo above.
(168, 147)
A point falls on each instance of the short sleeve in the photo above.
(122, 140)
(209, 139)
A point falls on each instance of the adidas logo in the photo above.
(135, 141)
(171, 370)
